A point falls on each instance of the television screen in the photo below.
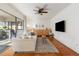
(60, 26)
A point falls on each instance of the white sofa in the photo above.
(24, 45)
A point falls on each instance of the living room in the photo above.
(36, 29)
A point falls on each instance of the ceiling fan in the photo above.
(41, 10)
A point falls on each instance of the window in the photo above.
(20, 25)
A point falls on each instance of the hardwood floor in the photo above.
(63, 51)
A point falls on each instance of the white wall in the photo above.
(71, 36)
(33, 21)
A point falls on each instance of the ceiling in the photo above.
(32, 19)
(27, 9)
(6, 17)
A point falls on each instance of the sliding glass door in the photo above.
(10, 25)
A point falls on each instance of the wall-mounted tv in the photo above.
(60, 26)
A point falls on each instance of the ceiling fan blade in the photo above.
(45, 12)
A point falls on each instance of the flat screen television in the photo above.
(60, 26)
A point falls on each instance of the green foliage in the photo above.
(4, 27)
(3, 34)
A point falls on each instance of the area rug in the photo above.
(45, 46)
(3, 48)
